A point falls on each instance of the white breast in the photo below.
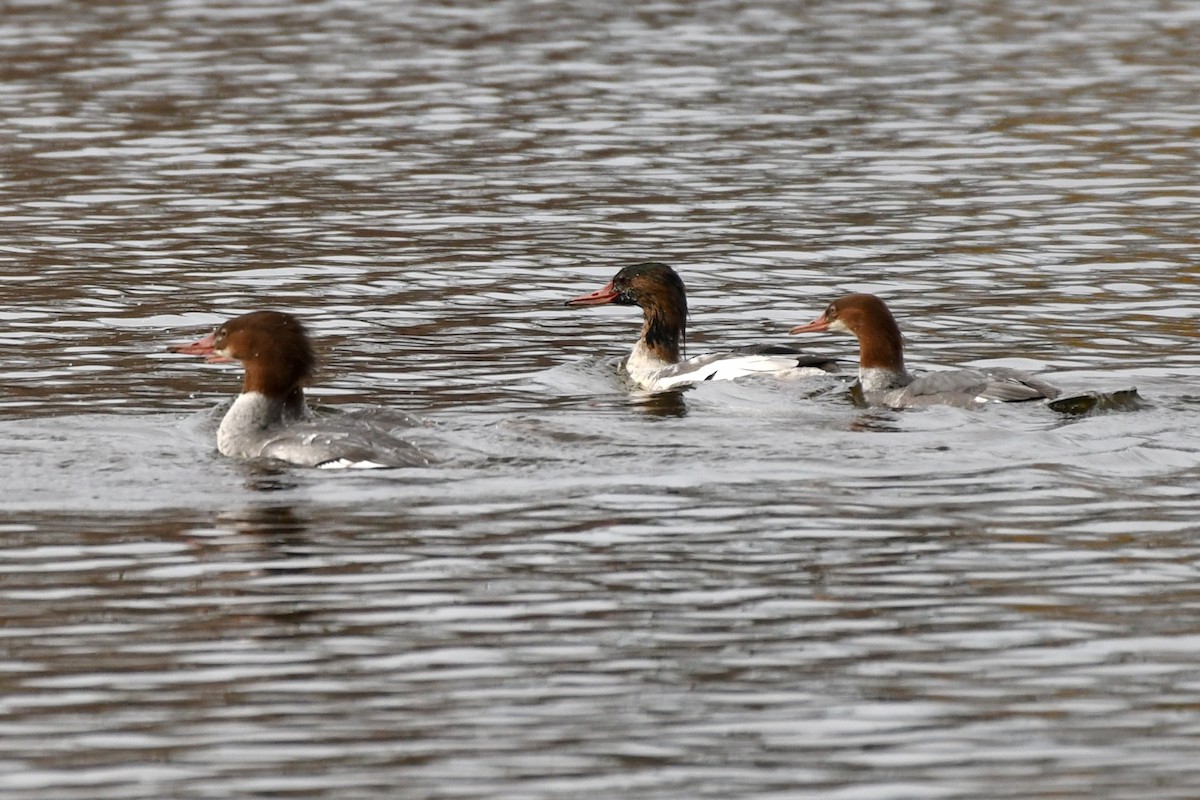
(246, 426)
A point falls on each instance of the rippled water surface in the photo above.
(741, 591)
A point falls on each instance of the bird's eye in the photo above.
(831, 312)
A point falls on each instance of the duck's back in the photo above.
(659, 376)
(328, 446)
(967, 388)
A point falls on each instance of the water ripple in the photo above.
(741, 591)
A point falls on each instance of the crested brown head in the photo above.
(274, 348)
(880, 343)
(659, 291)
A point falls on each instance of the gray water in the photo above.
(741, 591)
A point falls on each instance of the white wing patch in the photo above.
(727, 368)
(345, 463)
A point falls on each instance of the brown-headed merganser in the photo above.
(270, 419)
(885, 381)
(655, 363)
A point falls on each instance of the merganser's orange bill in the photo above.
(818, 324)
(606, 294)
(201, 347)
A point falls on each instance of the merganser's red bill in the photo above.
(201, 347)
(607, 294)
(818, 324)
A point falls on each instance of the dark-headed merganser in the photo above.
(655, 362)
(886, 382)
(270, 419)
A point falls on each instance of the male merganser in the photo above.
(654, 363)
(270, 419)
(885, 381)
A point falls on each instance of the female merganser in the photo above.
(654, 363)
(885, 381)
(270, 419)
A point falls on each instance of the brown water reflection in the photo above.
(738, 591)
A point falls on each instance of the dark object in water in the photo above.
(1093, 402)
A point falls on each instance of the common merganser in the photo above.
(270, 419)
(655, 362)
(885, 381)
